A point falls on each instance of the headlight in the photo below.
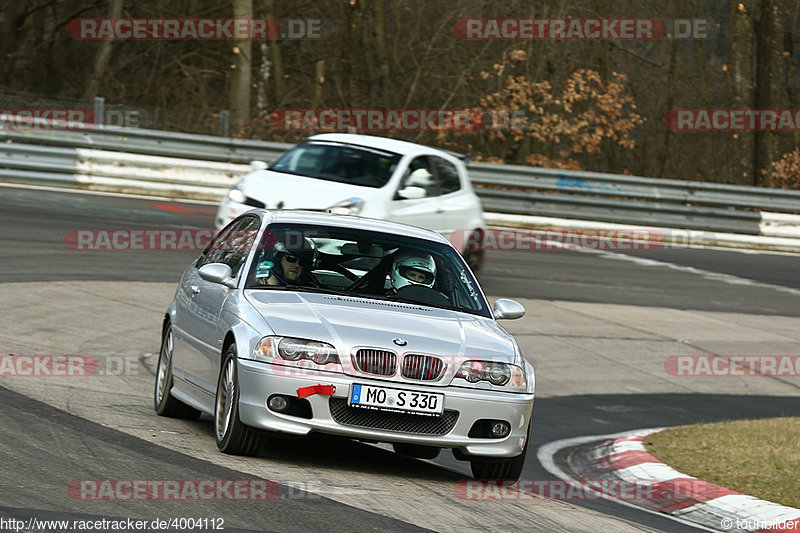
(498, 374)
(291, 349)
(351, 206)
(237, 196)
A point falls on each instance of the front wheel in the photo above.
(510, 468)
(473, 254)
(232, 436)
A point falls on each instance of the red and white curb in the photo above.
(623, 458)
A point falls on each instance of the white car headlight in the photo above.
(509, 377)
(351, 206)
(292, 349)
(237, 196)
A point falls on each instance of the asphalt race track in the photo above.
(598, 329)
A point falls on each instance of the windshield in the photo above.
(364, 264)
(344, 163)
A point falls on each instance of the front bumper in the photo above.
(258, 381)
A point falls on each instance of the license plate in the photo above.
(397, 400)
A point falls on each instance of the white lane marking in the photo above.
(629, 446)
(547, 452)
(707, 274)
(105, 193)
(746, 508)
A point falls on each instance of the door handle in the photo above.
(195, 289)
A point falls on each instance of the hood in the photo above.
(351, 322)
(299, 192)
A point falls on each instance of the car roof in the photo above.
(382, 143)
(299, 216)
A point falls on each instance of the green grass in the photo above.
(756, 457)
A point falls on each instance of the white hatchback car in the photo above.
(367, 176)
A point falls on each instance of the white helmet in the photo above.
(409, 268)
(420, 178)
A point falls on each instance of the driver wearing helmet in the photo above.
(286, 265)
(412, 269)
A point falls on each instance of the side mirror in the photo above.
(507, 309)
(411, 193)
(258, 165)
(218, 273)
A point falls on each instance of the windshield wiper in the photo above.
(423, 304)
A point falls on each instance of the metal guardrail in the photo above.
(151, 142)
(51, 155)
(40, 164)
(628, 199)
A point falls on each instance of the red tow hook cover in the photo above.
(325, 390)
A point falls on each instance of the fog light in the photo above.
(500, 429)
(278, 403)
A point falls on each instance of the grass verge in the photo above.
(756, 457)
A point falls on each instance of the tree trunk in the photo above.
(242, 59)
(102, 57)
(770, 80)
(277, 60)
(740, 86)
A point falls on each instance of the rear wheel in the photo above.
(164, 402)
(232, 435)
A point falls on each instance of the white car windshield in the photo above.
(364, 263)
(340, 162)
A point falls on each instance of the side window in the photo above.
(420, 174)
(232, 246)
(212, 250)
(447, 174)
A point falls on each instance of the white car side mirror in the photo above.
(258, 165)
(507, 309)
(217, 273)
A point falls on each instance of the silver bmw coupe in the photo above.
(298, 322)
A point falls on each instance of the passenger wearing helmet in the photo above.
(412, 269)
(286, 265)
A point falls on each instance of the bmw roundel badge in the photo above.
(400, 342)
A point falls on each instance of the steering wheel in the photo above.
(423, 295)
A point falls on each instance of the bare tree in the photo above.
(770, 79)
(741, 50)
(102, 57)
(241, 66)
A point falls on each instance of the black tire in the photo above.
(231, 435)
(509, 469)
(418, 451)
(474, 258)
(164, 402)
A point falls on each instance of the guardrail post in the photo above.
(99, 110)
(224, 123)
